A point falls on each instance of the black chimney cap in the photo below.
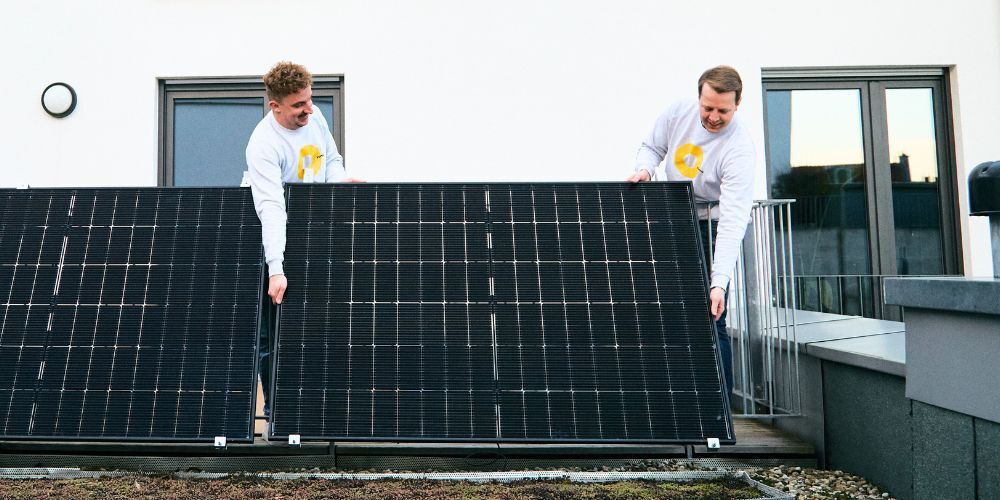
(984, 189)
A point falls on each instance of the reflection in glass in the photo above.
(914, 170)
(816, 154)
(210, 139)
(325, 105)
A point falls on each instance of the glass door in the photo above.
(869, 165)
(919, 190)
(815, 139)
(818, 155)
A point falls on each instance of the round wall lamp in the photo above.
(59, 99)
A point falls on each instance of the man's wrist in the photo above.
(275, 268)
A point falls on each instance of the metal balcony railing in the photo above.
(764, 296)
(761, 319)
(847, 294)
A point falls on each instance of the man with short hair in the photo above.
(291, 144)
(702, 142)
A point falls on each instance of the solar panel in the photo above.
(385, 329)
(509, 312)
(128, 313)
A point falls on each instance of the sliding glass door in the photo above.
(869, 164)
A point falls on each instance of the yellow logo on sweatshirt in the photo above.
(683, 165)
(311, 152)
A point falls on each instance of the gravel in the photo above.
(816, 483)
(804, 482)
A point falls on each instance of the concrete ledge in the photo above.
(975, 295)
(884, 353)
(872, 344)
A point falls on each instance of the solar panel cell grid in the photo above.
(129, 313)
(408, 330)
(552, 312)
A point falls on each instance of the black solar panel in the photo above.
(514, 312)
(128, 313)
(385, 329)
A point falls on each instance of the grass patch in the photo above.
(251, 487)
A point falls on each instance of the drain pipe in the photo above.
(984, 200)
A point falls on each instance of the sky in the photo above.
(826, 128)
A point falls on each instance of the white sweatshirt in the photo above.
(720, 166)
(277, 155)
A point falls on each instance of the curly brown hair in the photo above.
(722, 79)
(286, 78)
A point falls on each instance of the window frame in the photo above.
(872, 84)
(169, 90)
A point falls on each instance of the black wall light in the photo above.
(59, 99)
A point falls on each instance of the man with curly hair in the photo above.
(291, 144)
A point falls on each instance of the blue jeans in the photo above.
(725, 350)
(725, 344)
(264, 365)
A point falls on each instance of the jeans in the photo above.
(725, 344)
(725, 350)
(267, 321)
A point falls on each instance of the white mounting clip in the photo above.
(713, 443)
(24, 186)
(294, 440)
(220, 441)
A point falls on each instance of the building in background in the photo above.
(528, 91)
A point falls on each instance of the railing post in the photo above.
(750, 338)
(764, 299)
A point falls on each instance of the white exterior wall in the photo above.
(471, 90)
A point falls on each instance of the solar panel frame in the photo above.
(92, 248)
(615, 293)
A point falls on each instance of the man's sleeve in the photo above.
(735, 202)
(654, 148)
(269, 201)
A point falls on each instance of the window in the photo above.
(205, 125)
(867, 154)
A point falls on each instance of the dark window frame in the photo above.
(871, 84)
(171, 89)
